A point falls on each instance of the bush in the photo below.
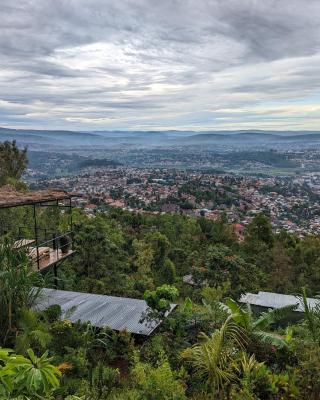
(158, 383)
(53, 313)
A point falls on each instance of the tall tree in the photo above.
(160, 245)
(222, 265)
(260, 229)
(141, 263)
(13, 162)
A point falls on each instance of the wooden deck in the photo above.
(19, 244)
(51, 259)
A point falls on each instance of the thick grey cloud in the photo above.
(209, 64)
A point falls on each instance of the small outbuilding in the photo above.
(263, 301)
(117, 313)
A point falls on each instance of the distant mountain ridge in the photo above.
(36, 139)
(62, 134)
(249, 135)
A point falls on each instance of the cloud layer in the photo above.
(171, 64)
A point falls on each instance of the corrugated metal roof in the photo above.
(188, 279)
(118, 313)
(276, 300)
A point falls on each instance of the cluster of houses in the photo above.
(156, 190)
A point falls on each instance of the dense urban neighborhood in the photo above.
(292, 203)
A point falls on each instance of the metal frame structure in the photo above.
(54, 251)
(54, 240)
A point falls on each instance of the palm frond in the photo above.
(269, 339)
(42, 337)
(310, 317)
(210, 359)
(27, 319)
(247, 364)
(225, 308)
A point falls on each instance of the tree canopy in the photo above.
(13, 162)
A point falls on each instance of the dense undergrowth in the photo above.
(209, 348)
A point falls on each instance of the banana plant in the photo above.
(257, 329)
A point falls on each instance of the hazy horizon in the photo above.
(173, 131)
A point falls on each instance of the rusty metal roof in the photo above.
(9, 197)
(118, 313)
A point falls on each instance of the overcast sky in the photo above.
(164, 64)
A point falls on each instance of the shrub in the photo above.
(158, 383)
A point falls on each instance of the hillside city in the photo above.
(292, 203)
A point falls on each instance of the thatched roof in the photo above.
(9, 197)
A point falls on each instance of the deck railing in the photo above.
(55, 248)
(45, 248)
